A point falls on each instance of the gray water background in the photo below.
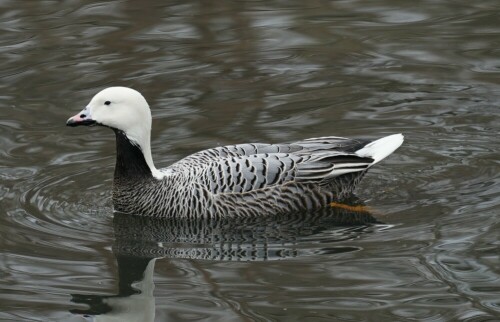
(226, 72)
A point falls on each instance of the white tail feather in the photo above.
(381, 148)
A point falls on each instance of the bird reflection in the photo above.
(139, 241)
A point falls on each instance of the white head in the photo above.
(123, 109)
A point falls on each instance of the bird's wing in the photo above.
(246, 167)
(246, 173)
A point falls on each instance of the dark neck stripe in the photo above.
(130, 161)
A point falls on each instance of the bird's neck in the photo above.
(131, 159)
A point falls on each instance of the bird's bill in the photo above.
(82, 118)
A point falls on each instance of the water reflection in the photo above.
(229, 239)
(139, 241)
(134, 301)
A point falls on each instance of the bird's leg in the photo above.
(354, 208)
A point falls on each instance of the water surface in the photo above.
(219, 73)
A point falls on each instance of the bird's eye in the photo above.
(107, 103)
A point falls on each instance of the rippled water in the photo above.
(263, 71)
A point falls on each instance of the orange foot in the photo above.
(358, 208)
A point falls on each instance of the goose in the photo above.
(243, 180)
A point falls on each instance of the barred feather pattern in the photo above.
(248, 180)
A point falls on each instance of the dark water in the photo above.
(228, 72)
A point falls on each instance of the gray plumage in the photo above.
(232, 181)
(248, 180)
